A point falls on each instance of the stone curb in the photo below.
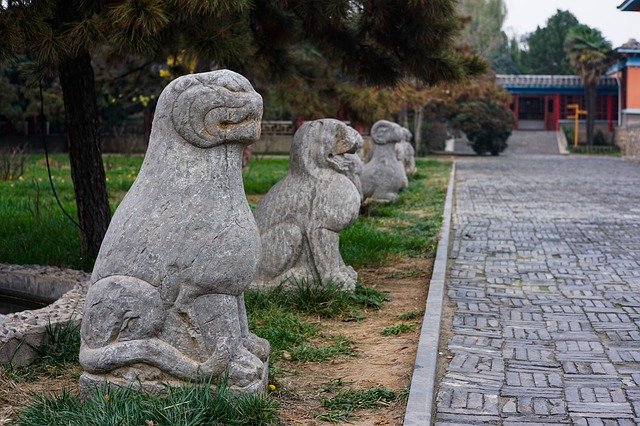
(21, 332)
(422, 390)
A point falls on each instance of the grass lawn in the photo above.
(608, 150)
(34, 230)
(314, 330)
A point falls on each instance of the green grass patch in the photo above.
(326, 300)
(285, 330)
(610, 150)
(343, 405)
(281, 316)
(411, 315)
(398, 329)
(407, 227)
(340, 345)
(262, 173)
(33, 229)
(189, 405)
(312, 298)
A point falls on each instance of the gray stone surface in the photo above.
(383, 176)
(421, 394)
(532, 142)
(166, 301)
(23, 331)
(300, 217)
(406, 154)
(545, 289)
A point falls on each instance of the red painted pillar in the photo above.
(516, 109)
(610, 112)
(556, 111)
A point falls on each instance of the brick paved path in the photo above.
(545, 289)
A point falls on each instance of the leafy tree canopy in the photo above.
(590, 55)
(483, 33)
(544, 48)
(588, 52)
(379, 42)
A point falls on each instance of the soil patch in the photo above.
(380, 360)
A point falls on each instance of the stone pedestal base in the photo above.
(150, 379)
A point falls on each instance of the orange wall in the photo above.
(633, 88)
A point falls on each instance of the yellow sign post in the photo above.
(577, 112)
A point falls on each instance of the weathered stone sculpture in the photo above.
(383, 176)
(300, 217)
(166, 301)
(406, 154)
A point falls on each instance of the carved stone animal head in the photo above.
(210, 109)
(326, 144)
(384, 132)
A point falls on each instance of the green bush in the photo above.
(612, 150)
(487, 123)
(599, 139)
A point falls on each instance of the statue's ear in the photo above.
(190, 109)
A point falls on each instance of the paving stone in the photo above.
(545, 284)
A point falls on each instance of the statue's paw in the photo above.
(257, 346)
(245, 369)
(114, 311)
(390, 197)
(347, 277)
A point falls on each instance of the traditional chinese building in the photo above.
(540, 102)
(626, 71)
(630, 6)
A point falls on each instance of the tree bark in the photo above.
(592, 98)
(403, 118)
(87, 169)
(418, 115)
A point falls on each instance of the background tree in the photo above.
(482, 32)
(544, 48)
(478, 107)
(20, 98)
(376, 42)
(412, 96)
(590, 55)
(486, 123)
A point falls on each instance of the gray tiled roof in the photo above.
(516, 80)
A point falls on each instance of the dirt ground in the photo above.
(14, 396)
(379, 361)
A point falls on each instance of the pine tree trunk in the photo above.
(418, 116)
(592, 97)
(87, 169)
(403, 118)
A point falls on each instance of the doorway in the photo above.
(531, 113)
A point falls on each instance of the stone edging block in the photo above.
(422, 390)
(20, 332)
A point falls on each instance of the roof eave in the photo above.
(630, 6)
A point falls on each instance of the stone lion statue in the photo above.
(383, 176)
(406, 154)
(166, 301)
(300, 217)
